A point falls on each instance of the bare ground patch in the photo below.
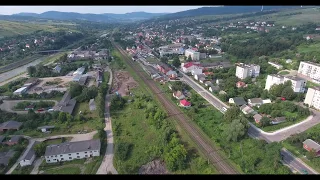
(123, 83)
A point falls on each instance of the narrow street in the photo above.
(106, 166)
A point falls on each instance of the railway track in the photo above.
(198, 137)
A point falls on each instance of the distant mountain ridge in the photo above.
(106, 17)
(222, 10)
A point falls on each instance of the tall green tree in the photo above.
(176, 62)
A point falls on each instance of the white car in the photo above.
(224, 109)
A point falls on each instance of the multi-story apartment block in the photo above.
(243, 71)
(69, 151)
(298, 84)
(310, 69)
(195, 56)
(313, 97)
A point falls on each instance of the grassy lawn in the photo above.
(57, 141)
(281, 125)
(311, 84)
(211, 60)
(64, 170)
(136, 131)
(22, 170)
(82, 166)
(151, 59)
(284, 72)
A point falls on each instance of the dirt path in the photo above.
(37, 163)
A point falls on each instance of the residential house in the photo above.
(82, 81)
(202, 79)
(172, 74)
(196, 71)
(99, 75)
(257, 118)
(6, 156)
(213, 88)
(69, 151)
(164, 68)
(185, 103)
(195, 56)
(208, 83)
(178, 95)
(241, 84)
(247, 109)
(66, 104)
(28, 157)
(266, 101)
(92, 105)
(219, 81)
(13, 140)
(278, 120)
(198, 76)
(57, 69)
(239, 101)
(10, 125)
(45, 128)
(255, 102)
(188, 67)
(309, 145)
(313, 97)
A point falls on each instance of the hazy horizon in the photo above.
(9, 10)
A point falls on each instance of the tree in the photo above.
(176, 62)
(288, 93)
(231, 114)
(75, 89)
(185, 58)
(236, 130)
(311, 154)
(31, 70)
(122, 150)
(276, 113)
(265, 121)
(40, 149)
(276, 90)
(164, 60)
(62, 117)
(189, 58)
(176, 155)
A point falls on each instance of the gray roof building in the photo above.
(66, 104)
(73, 147)
(46, 127)
(239, 101)
(28, 155)
(83, 80)
(6, 156)
(10, 125)
(15, 139)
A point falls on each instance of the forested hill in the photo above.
(221, 10)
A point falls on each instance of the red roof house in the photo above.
(164, 68)
(185, 103)
(240, 84)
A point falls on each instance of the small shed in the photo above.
(92, 105)
(45, 128)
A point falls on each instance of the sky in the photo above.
(8, 10)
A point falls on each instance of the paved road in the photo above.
(257, 133)
(107, 163)
(12, 73)
(37, 163)
(295, 163)
(8, 105)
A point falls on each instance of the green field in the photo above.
(8, 28)
(309, 48)
(284, 72)
(22, 170)
(81, 166)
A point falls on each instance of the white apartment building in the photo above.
(273, 79)
(195, 56)
(69, 151)
(298, 84)
(313, 97)
(243, 71)
(310, 69)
